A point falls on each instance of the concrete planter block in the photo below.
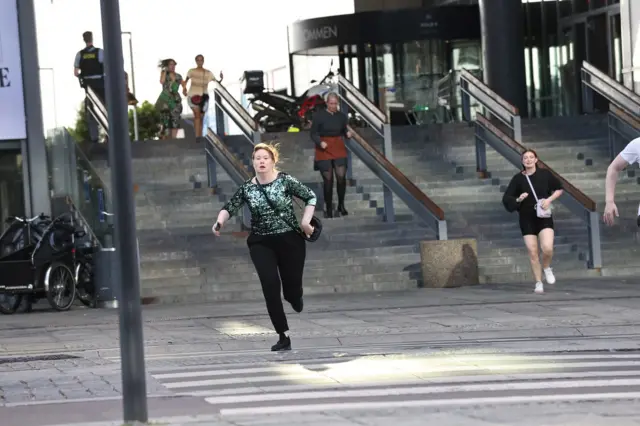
(450, 263)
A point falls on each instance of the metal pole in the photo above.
(136, 129)
(134, 391)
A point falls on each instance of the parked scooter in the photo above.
(278, 112)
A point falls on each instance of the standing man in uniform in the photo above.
(89, 68)
(629, 155)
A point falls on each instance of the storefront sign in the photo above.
(12, 116)
(386, 26)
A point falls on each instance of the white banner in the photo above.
(12, 116)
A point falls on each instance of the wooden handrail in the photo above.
(580, 196)
(399, 176)
(493, 95)
(229, 156)
(624, 116)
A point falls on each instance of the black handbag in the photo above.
(315, 221)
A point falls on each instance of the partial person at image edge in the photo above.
(277, 250)
(629, 155)
(527, 189)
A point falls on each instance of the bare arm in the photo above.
(76, 65)
(307, 214)
(163, 76)
(616, 166)
(556, 194)
(223, 216)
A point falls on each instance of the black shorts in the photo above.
(532, 225)
(326, 165)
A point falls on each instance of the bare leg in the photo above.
(174, 133)
(546, 244)
(531, 241)
(197, 121)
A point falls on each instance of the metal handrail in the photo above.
(367, 109)
(217, 152)
(227, 103)
(98, 110)
(472, 87)
(419, 203)
(613, 91)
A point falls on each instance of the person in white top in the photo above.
(198, 93)
(629, 155)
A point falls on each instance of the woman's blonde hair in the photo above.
(271, 148)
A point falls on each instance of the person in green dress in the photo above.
(170, 102)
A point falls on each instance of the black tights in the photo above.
(279, 262)
(341, 186)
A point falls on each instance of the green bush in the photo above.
(149, 121)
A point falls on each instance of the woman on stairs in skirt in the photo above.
(277, 250)
(328, 129)
(531, 193)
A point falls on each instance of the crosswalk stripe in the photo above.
(380, 405)
(451, 379)
(408, 380)
(422, 390)
(300, 373)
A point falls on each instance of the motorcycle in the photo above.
(277, 112)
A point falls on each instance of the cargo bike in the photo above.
(38, 260)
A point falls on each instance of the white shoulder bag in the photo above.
(540, 212)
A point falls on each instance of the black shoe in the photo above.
(298, 306)
(342, 211)
(638, 221)
(282, 345)
(328, 214)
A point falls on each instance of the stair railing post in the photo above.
(220, 130)
(344, 108)
(389, 211)
(612, 138)
(595, 248)
(517, 128)
(587, 97)
(212, 172)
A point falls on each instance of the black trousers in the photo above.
(279, 262)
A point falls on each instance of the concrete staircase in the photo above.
(441, 161)
(181, 261)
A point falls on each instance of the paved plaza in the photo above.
(486, 355)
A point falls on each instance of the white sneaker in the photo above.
(548, 274)
(539, 288)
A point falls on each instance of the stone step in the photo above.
(221, 283)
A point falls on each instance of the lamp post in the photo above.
(136, 133)
(53, 87)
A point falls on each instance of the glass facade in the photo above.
(558, 36)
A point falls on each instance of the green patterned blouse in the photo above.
(264, 220)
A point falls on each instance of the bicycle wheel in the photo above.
(60, 286)
(9, 303)
(85, 289)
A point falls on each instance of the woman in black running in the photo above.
(277, 250)
(531, 193)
